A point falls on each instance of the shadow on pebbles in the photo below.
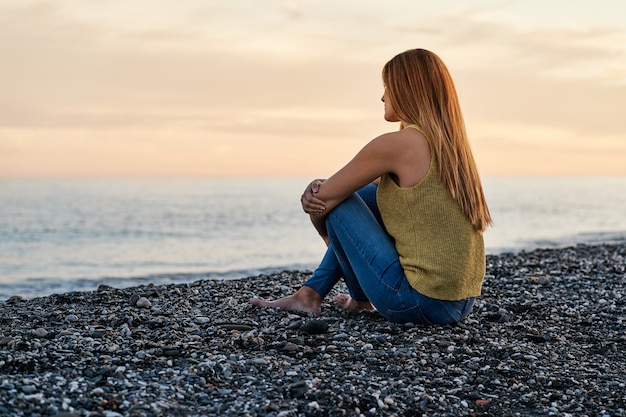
(547, 337)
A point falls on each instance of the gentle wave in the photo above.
(73, 235)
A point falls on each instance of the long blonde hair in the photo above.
(422, 92)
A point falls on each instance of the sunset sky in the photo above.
(249, 87)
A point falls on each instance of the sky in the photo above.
(160, 88)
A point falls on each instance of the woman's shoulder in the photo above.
(407, 138)
(406, 154)
(408, 132)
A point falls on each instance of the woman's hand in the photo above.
(310, 203)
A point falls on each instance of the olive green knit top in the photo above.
(442, 255)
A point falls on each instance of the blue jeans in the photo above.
(363, 254)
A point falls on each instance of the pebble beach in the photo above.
(547, 337)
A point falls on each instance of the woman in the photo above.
(403, 220)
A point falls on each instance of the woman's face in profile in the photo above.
(390, 113)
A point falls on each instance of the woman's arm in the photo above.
(404, 154)
(375, 159)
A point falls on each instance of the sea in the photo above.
(61, 235)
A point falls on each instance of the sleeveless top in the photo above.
(443, 257)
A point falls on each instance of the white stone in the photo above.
(143, 302)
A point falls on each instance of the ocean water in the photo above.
(73, 235)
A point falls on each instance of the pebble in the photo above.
(202, 320)
(315, 327)
(71, 318)
(143, 302)
(134, 298)
(41, 332)
(8, 340)
(547, 337)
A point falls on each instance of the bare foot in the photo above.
(306, 300)
(352, 306)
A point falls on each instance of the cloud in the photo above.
(235, 78)
(63, 74)
(587, 106)
(478, 39)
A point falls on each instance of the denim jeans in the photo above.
(363, 254)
